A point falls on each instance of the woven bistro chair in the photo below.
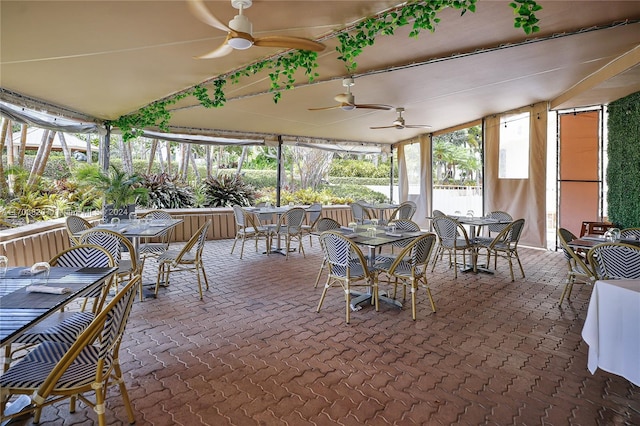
(361, 214)
(578, 269)
(315, 213)
(410, 269)
(289, 226)
(630, 233)
(615, 261)
(189, 258)
(494, 229)
(54, 371)
(347, 269)
(115, 243)
(401, 225)
(453, 239)
(246, 227)
(75, 225)
(66, 326)
(505, 244)
(324, 224)
(405, 211)
(154, 247)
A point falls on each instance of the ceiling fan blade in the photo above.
(289, 43)
(223, 50)
(325, 108)
(374, 106)
(201, 12)
(417, 126)
(383, 127)
(342, 97)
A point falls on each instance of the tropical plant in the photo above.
(117, 187)
(33, 206)
(226, 191)
(167, 192)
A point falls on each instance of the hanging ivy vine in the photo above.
(282, 69)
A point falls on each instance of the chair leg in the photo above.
(324, 262)
(234, 244)
(347, 298)
(124, 393)
(324, 293)
(519, 263)
(414, 290)
(204, 275)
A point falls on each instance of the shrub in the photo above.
(226, 191)
(167, 192)
(359, 168)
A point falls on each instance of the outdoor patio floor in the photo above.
(255, 352)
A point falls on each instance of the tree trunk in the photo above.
(65, 150)
(89, 154)
(192, 156)
(209, 162)
(168, 158)
(42, 156)
(152, 155)
(23, 144)
(241, 160)
(125, 150)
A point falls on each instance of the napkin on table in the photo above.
(47, 289)
(393, 234)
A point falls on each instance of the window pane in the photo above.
(514, 147)
(412, 159)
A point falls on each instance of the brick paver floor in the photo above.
(255, 352)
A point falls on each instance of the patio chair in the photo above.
(594, 228)
(289, 226)
(347, 269)
(505, 244)
(401, 225)
(74, 225)
(578, 269)
(246, 227)
(154, 247)
(324, 224)
(452, 238)
(410, 269)
(406, 210)
(495, 228)
(315, 213)
(615, 261)
(630, 233)
(66, 326)
(189, 258)
(115, 243)
(53, 371)
(361, 214)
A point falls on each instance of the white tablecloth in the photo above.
(612, 328)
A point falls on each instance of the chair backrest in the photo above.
(342, 255)
(83, 255)
(405, 225)
(74, 225)
(437, 213)
(315, 211)
(104, 333)
(406, 210)
(360, 213)
(292, 220)
(161, 215)
(239, 214)
(510, 235)
(615, 261)
(630, 233)
(499, 215)
(596, 228)
(326, 224)
(112, 242)
(449, 231)
(417, 253)
(576, 262)
(197, 241)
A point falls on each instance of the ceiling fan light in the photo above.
(347, 107)
(239, 43)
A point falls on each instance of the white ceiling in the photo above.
(104, 59)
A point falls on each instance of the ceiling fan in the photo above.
(400, 124)
(240, 30)
(347, 100)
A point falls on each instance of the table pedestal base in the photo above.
(358, 298)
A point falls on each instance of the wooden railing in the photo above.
(40, 242)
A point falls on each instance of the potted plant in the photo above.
(121, 191)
